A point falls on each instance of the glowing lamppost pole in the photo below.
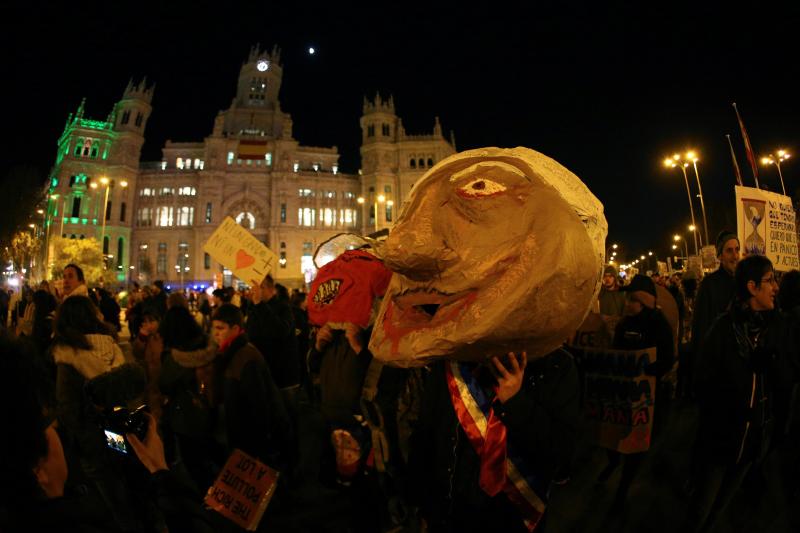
(105, 181)
(361, 202)
(691, 156)
(378, 200)
(677, 238)
(673, 162)
(776, 159)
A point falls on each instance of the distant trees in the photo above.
(87, 254)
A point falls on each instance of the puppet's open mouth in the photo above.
(420, 307)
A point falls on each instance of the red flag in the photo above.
(747, 146)
(735, 163)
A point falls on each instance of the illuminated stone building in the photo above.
(250, 167)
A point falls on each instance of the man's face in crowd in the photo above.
(486, 255)
(221, 331)
(633, 306)
(730, 255)
(609, 281)
(70, 280)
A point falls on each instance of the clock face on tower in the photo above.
(262, 65)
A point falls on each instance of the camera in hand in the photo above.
(121, 421)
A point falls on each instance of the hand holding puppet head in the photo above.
(495, 250)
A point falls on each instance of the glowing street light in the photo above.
(692, 156)
(675, 161)
(776, 159)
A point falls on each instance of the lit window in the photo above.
(349, 195)
(164, 216)
(185, 216)
(315, 166)
(296, 167)
(268, 158)
(283, 213)
(179, 163)
(246, 220)
(163, 165)
(208, 212)
(305, 193)
(202, 164)
(166, 191)
(196, 163)
(335, 169)
(328, 217)
(187, 191)
(330, 194)
(206, 261)
(305, 216)
(230, 158)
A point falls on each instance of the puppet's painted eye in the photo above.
(481, 188)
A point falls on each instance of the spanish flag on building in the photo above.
(252, 149)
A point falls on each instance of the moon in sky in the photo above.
(311, 50)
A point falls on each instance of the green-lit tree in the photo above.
(86, 253)
(24, 247)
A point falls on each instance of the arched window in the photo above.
(120, 251)
(371, 130)
(78, 147)
(122, 212)
(246, 220)
(105, 245)
(95, 149)
(126, 116)
(87, 147)
(421, 163)
(430, 162)
(139, 118)
(413, 163)
(179, 163)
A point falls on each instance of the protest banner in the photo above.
(595, 332)
(242, 490)
(239, 251)
(618, 398)
(767, 226)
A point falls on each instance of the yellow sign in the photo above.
(240, 252)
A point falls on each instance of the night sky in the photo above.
(607, 90)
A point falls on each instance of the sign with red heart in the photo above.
(241, 252)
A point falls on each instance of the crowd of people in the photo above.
(244, 370)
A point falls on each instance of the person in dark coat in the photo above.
(537, 402)
(256, 420)
(715, 294)
(187, 381)
(644, 326)
(110, 309)
(35, 466)
(270, 327)
(743, 377)
(158, 301)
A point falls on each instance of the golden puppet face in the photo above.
(496, 249)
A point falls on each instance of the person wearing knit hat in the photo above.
(714, 295)
(612, 301)
(643, 326)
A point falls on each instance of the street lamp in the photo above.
(677, 238)
(776, 159)
(673, 162)
(107, 183)
(691, 156)
(361, 201)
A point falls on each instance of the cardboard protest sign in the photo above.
(345, 289)
(494, 250)
(596, 331)
(239, 251)
(767, 226)
(618, 398)
(242, 490)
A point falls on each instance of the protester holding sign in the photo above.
(743, 377)
(256, 420)
(643, 326)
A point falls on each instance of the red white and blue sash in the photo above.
(502, 468)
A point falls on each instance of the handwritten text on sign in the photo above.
(767, 225)
(242, 490)
(239, 251)
(619, 398)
